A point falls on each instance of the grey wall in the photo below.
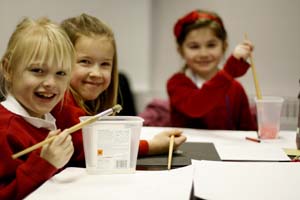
(272, 25)
(129, 19)
(147, 51)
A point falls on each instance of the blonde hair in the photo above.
(32, 41)
(86, 25)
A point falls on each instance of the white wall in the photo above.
(129, 19)
(146, 45)
(272, 25)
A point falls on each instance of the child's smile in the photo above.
(202, 51)
(39, 88)
(92, 73)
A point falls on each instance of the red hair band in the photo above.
(191, 18)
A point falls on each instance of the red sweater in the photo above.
(221, 103)
(21, 176)
(68, 115)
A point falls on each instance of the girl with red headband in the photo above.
(202, 95)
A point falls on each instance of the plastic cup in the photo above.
(111, 144)
(268, 116)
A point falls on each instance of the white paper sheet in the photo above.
(254, 152)
(246, 180)
(75, 183)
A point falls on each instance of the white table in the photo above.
(75, 183)
(286, 138)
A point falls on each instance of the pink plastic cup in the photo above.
(268, 116)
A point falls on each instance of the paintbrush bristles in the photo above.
(117, 108)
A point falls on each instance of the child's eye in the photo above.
(211, 45)
(106, 64)
(193, 46)
(61, 73)
(84, 61)
(37, 70)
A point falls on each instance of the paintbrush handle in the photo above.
(70, 131)
(90, 120)
(82, 124)
(48, 140)
(34, 147)
(257, 88)
(171, 147)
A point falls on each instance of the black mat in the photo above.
(181, 157)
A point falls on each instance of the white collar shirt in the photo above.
(195, 78)
(14, 106)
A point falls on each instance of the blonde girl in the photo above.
(35, 73)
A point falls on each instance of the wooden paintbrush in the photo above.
(171, 147)
(257, 88)
(117, 108)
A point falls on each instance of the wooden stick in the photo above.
(257, 88)
(71, 130)
(171, 146)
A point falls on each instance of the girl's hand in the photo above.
(243, 50)
(59, 151)
(160, 142)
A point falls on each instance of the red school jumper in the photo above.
(221, 103)
(68, 115)
(23, 175)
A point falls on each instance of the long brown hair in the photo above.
(89, 26)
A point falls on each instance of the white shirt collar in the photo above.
(194, 77)
(14, 106)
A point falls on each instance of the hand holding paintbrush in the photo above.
(116, 108)
(243, 51)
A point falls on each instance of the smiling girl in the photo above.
(201, 95)
(35, 73)
(94, 81)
